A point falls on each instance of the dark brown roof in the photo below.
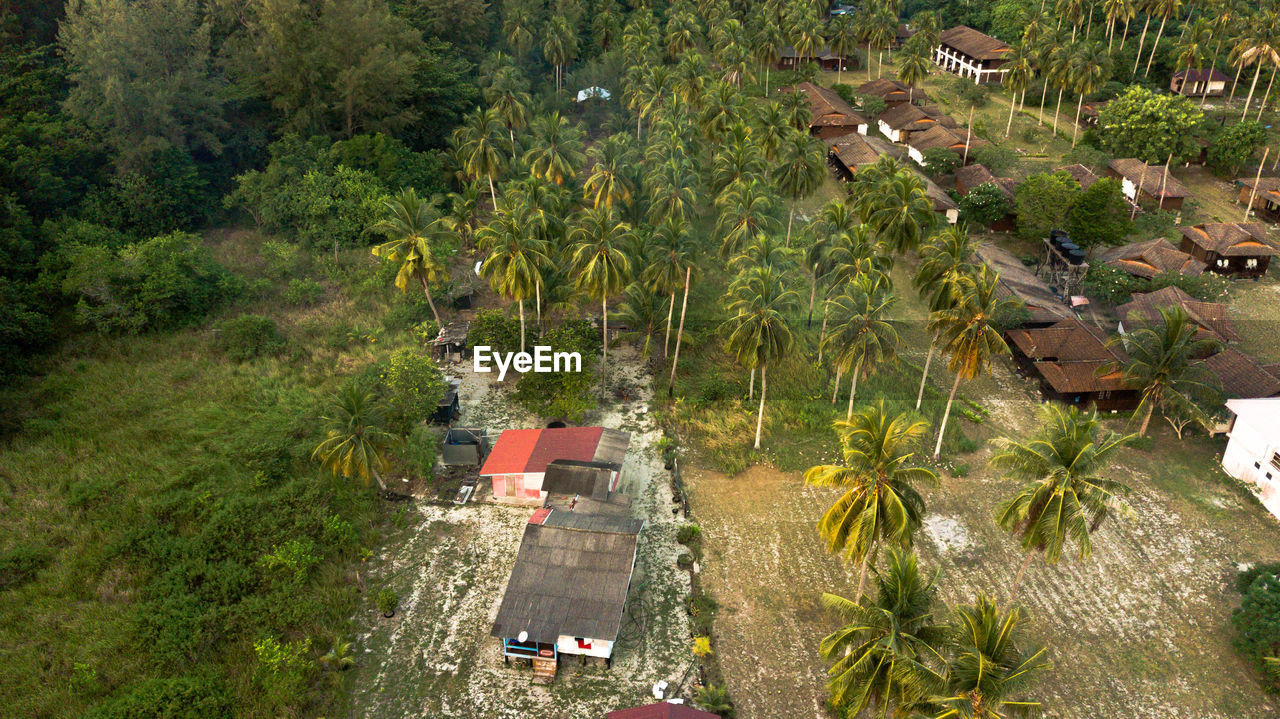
(939, 136)
(1081, 174)
(828, 109)
(1210, 317)
(1241, 376)
(822, 53)
(892, 91)
(854, 150)
(977, 174)
(1268, 188)
(1022, 284)
(589, 479)
(1231, 239)
(661, 710)
(1151, 177)
(899, 117)
(1214, 74)
(1150, 258)
(1071, 356)
(942, 202)
(973, 43)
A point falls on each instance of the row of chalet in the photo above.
(1235, 249)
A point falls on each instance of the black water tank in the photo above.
(1076, 256)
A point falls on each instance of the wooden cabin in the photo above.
(893, 93)
(1265, 199)
(1148, 185)
(1236, 249)
(959, 140)
(901, 122)
(1194, 83)
(451, 341)
(1081, 174)
(849, 152)
(976, 175)
(789, 59)
(968, 53)
(1239, 376)
(942, 202)
(1209, 318)
(1151, 258)
(830, 116)
(1017, 281)
(519, 460)
(1090, 112)
(1074, 364)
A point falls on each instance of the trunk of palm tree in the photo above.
(1075, 131)
(1013, 103)
(766, 79)
(675, 360)
(760, 413)
(751, 386)
(853, 389)
(1204, 93)
(537, 302)
(813, 293)
(1141, 41)
(1111, 33)
(862, 576)
(522, 325)
(928, 359)
(493, 194)
(1262, 104)
(1124, 35)
(946, 414)
(868, 60)
(836, 392)
(790, 216)
(1026, 562)
(822, 333)
(1146, 419)
(378, 478)
(604, 335)
(1155, 46)
(1252, 86)
(1235, 83)
(1058, 109)
(1044, 93)
(426, 289)
(671, 310)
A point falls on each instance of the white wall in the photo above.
(1249, 444)
(599, 647)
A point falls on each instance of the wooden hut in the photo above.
(1265, 199)
(1148, 185)
(789, 59)
(968, 53)
(849, 152)
(1151, 258)
(901, 122)
(1197, 83)
(959, 140)
(1237, 249)
(1074, 364)
(1081, 174)
(1210, 318)
(1044, 307)
(893, 93)
(830, 116)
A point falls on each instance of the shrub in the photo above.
(1235, 145)
(985, 205)
(494, 329)
(413, 387)
(302, 292)
(282, 667)
(846, 92)
(20, 564)
(281, 258)
(940, 161)
(1257, 623)
(167, 197)
(411, 309)
(995, 158)
(1099, 215)
(563, 394)
(685, 560)
(1113, 286)
(184, 697)
(688, 533)
(960, 470)
(247, 336)
(421, 449)
(871, 105)
(295, 558)
(715, 699)
(1042, 203)
(387, 601)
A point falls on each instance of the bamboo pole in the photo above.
(1248, 209)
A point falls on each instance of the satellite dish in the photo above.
(522, 637)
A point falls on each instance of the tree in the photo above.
(746, 209)
(669, 266)
(1159, 362)
(900, 212)
(968, 334)
(802, 169)
(881, 503)
(759, 330)
(1042, 201)
(842, 39)
(987, 668)
(1065, 495)
(862, 336)
(1235, 145)
(475, 143)
(1150, 126)
(943, 261)
(1193, 49)
(1257, 620)
(875, 652)
(1258, 46)
(915, 63)
(1165, 9)
(985, 205)
(410, 225)
(602, 268)
(517, 258)
(1020, 72)
(1099, 215)
(355, 443)
(939, 161)
(413, 387)
(555, 148)
(508, 97)
(1090, 67)
(559, 45)
(609, 183)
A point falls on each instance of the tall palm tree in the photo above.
(770, 130)
(463, 212)
(801, 170)
(673, 190)
(901, 213)
(517, 258)
(736, 162)
(1116, 11)
(517, 26)
(862, 336)
(508, 98)
(1065, 495)
(1060, 67)
(881, 503)
(355, 442)
(409, 225)
(555, 149)
(1090, 68)
(1165, 9)
(967, 334)
(943, 261)
(641, 312)
(1260, 46)
(559, 45)
(746, 209)
(672, 259)
(1159, 361)
(1021, 71)
(875, 653)
(1193, 49)
(989, 668)
(477, 146)
(610, 183)
(842, 40)
(1148, 8)
(759, 330)
(602, 268)
(915, 63)
(767, 45)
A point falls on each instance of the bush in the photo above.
(184, 697)
(387, 601)
(246, 337)
(494, 329)
(973, 94)
(1099, 215)
(846, 92)
(413, 387)
(871, 105)
(1042, 203)
(688, 533)
(421, 449)
(985, 205)
(1257, 623)
(940, 161)
(995, 158)
(20, 564)
(281, 258)
(166, 198)
(1234, 146)
(563, 394)
(302, 292)
(1113, 286)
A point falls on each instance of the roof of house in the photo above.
(1072, 357)
(1268, 187)
(1211, 317)
(1264, 410)
(1231, 239)
(899, 117)
(522, 451)
(1021, 283)
(1150, 258)
(891, 90)
(939, 136)
(977, 45)
(589, 479)
(1241, 376)
(661, 710)
(568, 580)
(942, 202)
(854, 150)
(826, 107)
(971, 176)
(822, 53)
(454, 333)
(1081, 174)
(1214, 75)
(1155, 180)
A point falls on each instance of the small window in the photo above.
(1251, 263)
(1223, 262)
(1275, 460)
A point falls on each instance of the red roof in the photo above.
(661, 710)
(522, 451)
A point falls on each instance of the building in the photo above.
(899, 123)
(849, 152)
(1151, 258)
(959, 140)
(969, 53)
(1081, 174)
(1265, 200)
(1239, 376)
(1236, 249)
(1148, 185)
(661, 710)
(942, 202)
(830, 115)
(1196, 83)
(568, 588)
(519, 460)
(1074, 364)
(1209, 317)
(451, 342)
(1253, 447)
(1016, 280)
(893, 93)
(902, 35)
(789, 59)
(976, 175)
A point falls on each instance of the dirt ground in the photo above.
(450, 565)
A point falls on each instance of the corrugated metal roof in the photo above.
(661, 710)
(531, 450)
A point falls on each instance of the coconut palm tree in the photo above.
(509, 99)
(842, 40)
(1116, 11)
(609, 184)
(672, 260)
(682, 32)
(943, 261)
(759, 330)
(641, 312)
(355, 443)
(801, 170)
(862, 336)
(1193, 49)
(1060, 67)
(915, 63)
(876, 652)
(967, 334)
(771, 130)
(1159, 361)
(746, 209)
(766, 45)
(900, 213)
(410, 224)
(1260, 46)
(1148, 8)
(1090, 68)
(602, 268)
(476, 141)
(1021, 71)
(880, 504)
(517, 258)
(1165, 9)
(1066, 497)
(736, 162)
(463, 212)
(989, 668)
(651, 90)
(672, 190)
(555, 148)
(559, 45)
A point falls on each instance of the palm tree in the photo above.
(609, 183)
(842, 40)
(1116, 11)
(1260, 46)
(1165, 9)
(880, 503)
(759, 332)
(862, 337)
(476, 142)
(602, 267)
(771, 130)
(641, 311)
(967, 334)
(736, 162)
(355, 443)
(1090, 68)
(1021, 71)
(988, 669)
(560, 45)
(714, 698)
(1060, 67)
(1193, 49)
(508, 98)
(876, 652)
(555, 150)
(802, 169)
(1159, 361)
(915, 64)
(943, 261)
(672, 259)
(463, 212)
(517, 25)
(409, 224)
(682, 32)
(672, 190)
(901, 213)
(517, 258)
(746, 209)
(1066, 496)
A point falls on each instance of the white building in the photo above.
(1253, 447)
(969, 53)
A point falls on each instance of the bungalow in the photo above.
(1081, 174)
(1230, 248)
(1016, 280)
(789, 59)
(976, 175)
(893, 93)
(942, 202)
(969, 53)
(1151, 258)
(830, 115)
(1210, 318)
(1265, 200)
(1240, 376)
(902, 35)
(1074, 364)
(960, 141)
(661, 710)
(1194, 83)
(849, 152)
(1147, 184)
(521, 458)
(1253, 447)
(900, 122)
(568, 588)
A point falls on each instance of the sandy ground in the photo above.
(450, 566)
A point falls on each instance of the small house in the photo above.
(661, 710)
(901, 122)
(1239, 376)
(1151, 258)
(1236, 249)
(1016, 280)
(1081, 174)
(1074, 364)
(893, 93)
(1090, 113)
(1210, 318)
(901, 35)
(518, 463)
(1253, 447)
(1197, 83)
(451, 342)
(942, 202)
(849, 152)
(830, 115)
(1148, 185)
(960, 141)
(1265, 199)
(968, 53)
(789, 59)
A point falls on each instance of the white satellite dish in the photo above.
(522, 637)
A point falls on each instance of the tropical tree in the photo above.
(1159, 362)
(1260, 46)
(876, 653)
(517, 258)
(842, 40)
(477, 147)
(759, 330)
(880, 503)
(1193, 49)
(746, 209)
(915, 63)
(509, 99)
(602, 268)
(989, 668)
(1021, 71)
(672, 259)
(555, 148)
(803, 166)
(559, 45)
(900, 212)
(943, 261)
(1090, 68)
(1117, 11)
(862, 336)
(410, 224)
(767, 45)
(355, 443)
(641, 312)
(610, 182)
(1165, 9)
